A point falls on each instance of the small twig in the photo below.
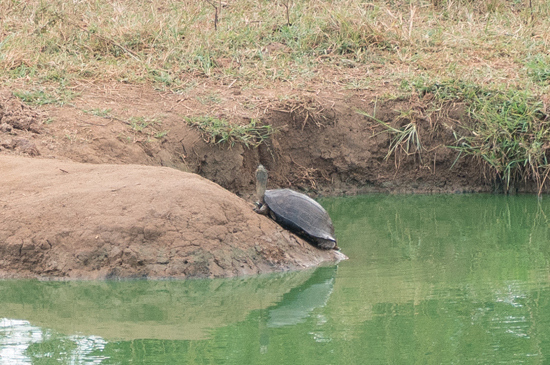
(64, 171)
(216, 10)
(98, 125)
(287, 8)
(280, 110)
(305, 173)
(177, 102)
(413, 10)
(305, 120)
(113, 190)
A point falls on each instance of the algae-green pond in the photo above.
(434, 279)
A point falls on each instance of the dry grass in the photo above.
(169, 42)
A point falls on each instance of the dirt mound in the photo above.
(66, 219)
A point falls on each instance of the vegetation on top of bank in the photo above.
(353, 44)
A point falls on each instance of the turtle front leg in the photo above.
(261, 208)
(326, 244)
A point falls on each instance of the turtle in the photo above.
(296, 212)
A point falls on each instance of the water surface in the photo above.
(435, 279)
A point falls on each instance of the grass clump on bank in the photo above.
(41, 97)
(405, 138)
(220, 131)
(510, 130)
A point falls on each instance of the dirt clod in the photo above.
(27, 147)
(15, 114)
(5, 128)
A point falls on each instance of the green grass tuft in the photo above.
(538, 68)
(41, 97)
(220, 131)
(405, 138)
(104, 113)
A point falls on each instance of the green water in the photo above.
(431, 280)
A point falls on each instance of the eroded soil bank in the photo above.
(322, 145)
(71, 220)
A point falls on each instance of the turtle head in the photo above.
(261, 183)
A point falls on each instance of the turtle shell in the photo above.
(300, 213)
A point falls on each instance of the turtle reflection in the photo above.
(298, 304)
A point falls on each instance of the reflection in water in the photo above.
(430, 280)
(22, 343)
(445, 278)
(298, 304)
(15, 337)
(181, 309)
(126, 310)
